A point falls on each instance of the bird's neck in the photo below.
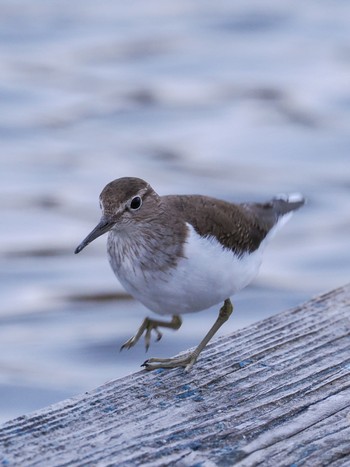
(146, 245)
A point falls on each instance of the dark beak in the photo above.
(104, 226)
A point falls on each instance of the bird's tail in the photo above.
(284, 204)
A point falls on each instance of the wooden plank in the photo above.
(276, 393)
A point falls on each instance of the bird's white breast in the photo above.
(206, 275)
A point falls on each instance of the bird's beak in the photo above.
(102, 227)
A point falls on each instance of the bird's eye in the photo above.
(136, 203)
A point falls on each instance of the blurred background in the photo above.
(239, 101)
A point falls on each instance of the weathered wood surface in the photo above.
(276, 393)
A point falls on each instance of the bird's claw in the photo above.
(148, 331)
(128, 344)
(186, 361)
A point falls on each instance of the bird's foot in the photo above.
(186, 361)
(190, 359)
(147, 327)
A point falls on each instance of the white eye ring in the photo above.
(135, 203)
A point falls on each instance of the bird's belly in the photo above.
(205, 276)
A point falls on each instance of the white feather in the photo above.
(205, 276)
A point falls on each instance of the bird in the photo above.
(180, 254)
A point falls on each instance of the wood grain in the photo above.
(275, 394)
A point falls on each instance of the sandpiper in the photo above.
(179, 254)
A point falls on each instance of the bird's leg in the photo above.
(190, 359)
(150, 325)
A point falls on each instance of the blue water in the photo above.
(239, 101)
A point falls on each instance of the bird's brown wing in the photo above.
(238, 227)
